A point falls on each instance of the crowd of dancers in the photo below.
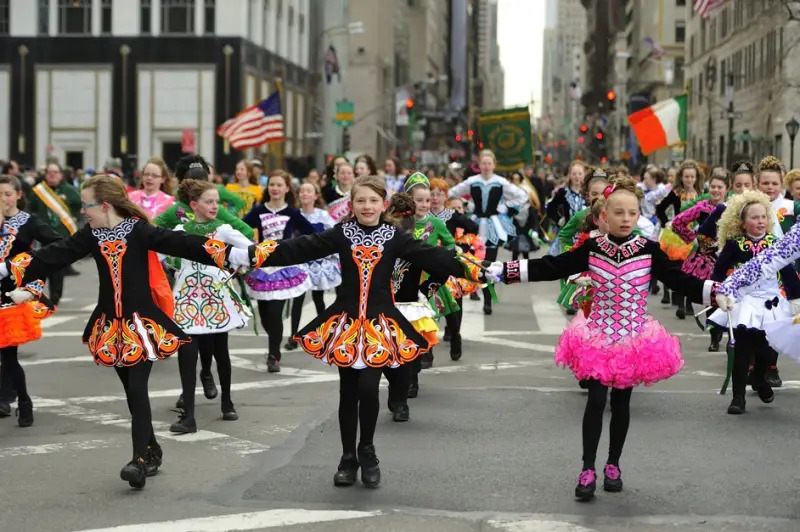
(178, 270)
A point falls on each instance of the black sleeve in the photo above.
(559, 267)
(554, 205)
(252, 218)
(465, 223)
(42, 232)
(725, 261)
(669, 272)
(438, 261)
(661, 208)
(295, 250)
(29, 267)
(709, 225)
(790, 281)
(196, 248)
(301, 223)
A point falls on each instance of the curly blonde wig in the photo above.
(730, 224)
(791, 177)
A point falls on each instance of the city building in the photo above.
(135, 78)
(495, 94)
(746, 57)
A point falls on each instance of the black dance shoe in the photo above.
(290, 345)
(737, 405)
(716, 338)
(346, 474)
(25, 413)
(209, 386)
(772, 377)
(612, 480)
(765, 393)
(179, 402)
(474, 296)
(587, 484)
(680, 313)
(426, 360)
(487, 308)
(153, 459)
(184, 425)
(400, 413)
(273, 364)
(135, 473)
(5, 408)
(665, 300)
(370, 472)
(455, 346)
(229, 412)
(447, 336)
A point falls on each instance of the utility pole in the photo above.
(731, 118)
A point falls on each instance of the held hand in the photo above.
(583, 282)
(239, 258)
(494, 272)
(795, 306)
(725, 303)
(19, 296)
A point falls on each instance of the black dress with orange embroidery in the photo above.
(362, 328)
(126, 327)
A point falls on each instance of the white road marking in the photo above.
(549, 315)
(90, 306)
(29, 450)
(536, 525)
(44, 361)
(52, 321)
(244, 521)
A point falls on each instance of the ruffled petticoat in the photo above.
(674, 246)
(420, 315)
(650, 356)
(20, 324)
(784, 337)
(325, 273)
(495, 229)
(752, 312)
(274, 283)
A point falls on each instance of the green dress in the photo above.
(433, 231)
(566, 236)
(179, 213)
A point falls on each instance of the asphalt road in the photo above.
(493, 442)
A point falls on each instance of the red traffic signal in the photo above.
(604, 159)
(470, 133)
(563, 142)
(458, 138)
(611, 96)
(580, 140)
(584, 128)
(409, 103)
(599, 135)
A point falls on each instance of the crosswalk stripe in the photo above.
(548, 314)
(48, 448)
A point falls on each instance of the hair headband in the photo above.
(609, 190)
(743, 169)
(746, 205)
(195, 165)
(599, 173)
(414, 180)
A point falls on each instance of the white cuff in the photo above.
(523, 271)
(3, 270)
(239, 257)
(707, 286)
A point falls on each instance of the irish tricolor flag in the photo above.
(660, 125)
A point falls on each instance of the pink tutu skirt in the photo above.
(650, 356)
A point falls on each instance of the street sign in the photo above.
(345, 112)
(728, 115)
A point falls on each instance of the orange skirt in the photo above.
(20, 324)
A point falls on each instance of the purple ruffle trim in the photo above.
(283, 279)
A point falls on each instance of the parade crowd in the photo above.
(185, 255)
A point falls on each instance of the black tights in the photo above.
(399, 379)
(491, 256)
(358, 404)
(593, 422)
(134, 380)
(271, 314)
(209, 345)
(12, 375)
(297, 307)
(750, 344)
(453, 320)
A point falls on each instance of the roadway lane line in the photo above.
(244, 521)
(48, 448)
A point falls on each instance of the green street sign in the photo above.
(344, 113)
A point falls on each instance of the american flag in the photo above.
(704, 7)
(256, 125)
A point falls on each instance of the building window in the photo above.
(700, 89)
(145, 13)
(211, 10)
(724, 17)
(680, 31)
(105, 17)
(177, 16)
(44, 17)
(75, 17)
(680, 2)
(691, 47)
(4, 14)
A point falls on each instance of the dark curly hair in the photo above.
(191, 166)
(402, 208)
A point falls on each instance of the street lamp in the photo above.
(791, 128)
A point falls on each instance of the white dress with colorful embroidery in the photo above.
(325, 273)
(205, 298)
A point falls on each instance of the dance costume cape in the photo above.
(700, 261)
(465, 232)
(619, 344)
(434, 232)
(362, 328)
(126, 327)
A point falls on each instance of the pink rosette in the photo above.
(650, 356)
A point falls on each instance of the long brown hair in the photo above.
(110, 190)
(289, 198)
(16, 185)
(378, 186)
(698, 182)
(251, 175)
(165, 175)
(319, 203)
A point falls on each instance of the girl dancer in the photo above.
(246, 186)
(568, 200)
(338, 195)
(700, 263)
(126, 331)
(206, 305)
(365, 165)
(393, 174)
(325, 273)
(493, 196)
(277, 219)
(19, 324)
(153, 195)
(745, 231)
(619, 345)
(362, 331)
(688, 186)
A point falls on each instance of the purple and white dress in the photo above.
(783, 334)
(326, 273)
(283, 282)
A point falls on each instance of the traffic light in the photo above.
(580, 140)
(604, 159)
(611, 96)
(470, 133)
(584, 129)
(599, 135)
(409, 104)
(458, 138)
(345, 140)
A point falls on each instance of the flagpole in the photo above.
(282, 152)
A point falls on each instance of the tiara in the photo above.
(416, 179)
(599, 173)
(195, 165)
(743, 169)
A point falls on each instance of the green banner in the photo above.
(508, 134)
